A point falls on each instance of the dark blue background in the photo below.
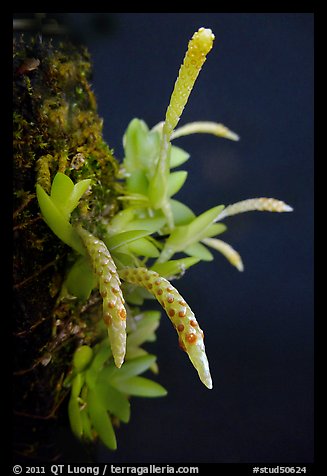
(258, 80)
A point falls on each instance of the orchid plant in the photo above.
(132, 258)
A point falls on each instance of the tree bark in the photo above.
(56, 128)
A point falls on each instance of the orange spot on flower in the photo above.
(122, 314)
(193, 323)
(182, 313)
(171, 312)
(180, 327)
(170, 298)
(160, 291)
(111, 304)
(191, 338)
(107, 319)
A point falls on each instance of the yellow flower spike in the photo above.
(190, 336)
(114, 312)
(261, 204)
(205, 127)
(227, 250)
(198, 48)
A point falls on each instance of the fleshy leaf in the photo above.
(148, 323)
(143, 247)
(75, 419)
(80, 279)
(178, 156)
(57, 222)
(198, 250)
(61, 189)
(113, 400)
(65, 194)
(176, 181)
(173, 268)
(120, 239)
(101, 421)
(186, 235)
(182, 214)
(140, 387)
(134, 367)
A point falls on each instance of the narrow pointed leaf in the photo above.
(113, 400)
(80, 279)
(175, 267)
(134, 367)
(184, 236)
(182, 214)
(143, 247)
(140, 387)
(61, 189)
(74, 414)
(77, 193)
(86, 425)
(57, 222)
(120, 239)
(178, 156)
(176, 181)
(101, 421)
(199, 251)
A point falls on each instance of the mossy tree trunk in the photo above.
(56, 128)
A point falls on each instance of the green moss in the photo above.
(56, 127)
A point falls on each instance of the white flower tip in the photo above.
(232, 135)
(287, 208)
(239, 265)
(204, 37)
(208, 382)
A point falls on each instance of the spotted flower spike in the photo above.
(190, 336)
(251, 204)
(199, 46)
(114, 312)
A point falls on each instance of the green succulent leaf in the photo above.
(178, 156)
(77, 384)
(200, 251)
(182, 214)
(74, 414)
(141, 146)
(134, 367)
(65, 195)
(80, 279)
(100, 420)
(86, 425)
(82, 357)
(57, 222)
(176, 181)
(143, 247)
(215, 229)
(137, 182)
(184, 236)
(175, 267)
(148, 323)
(140, 387)
(113, 400)
(120, 239)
